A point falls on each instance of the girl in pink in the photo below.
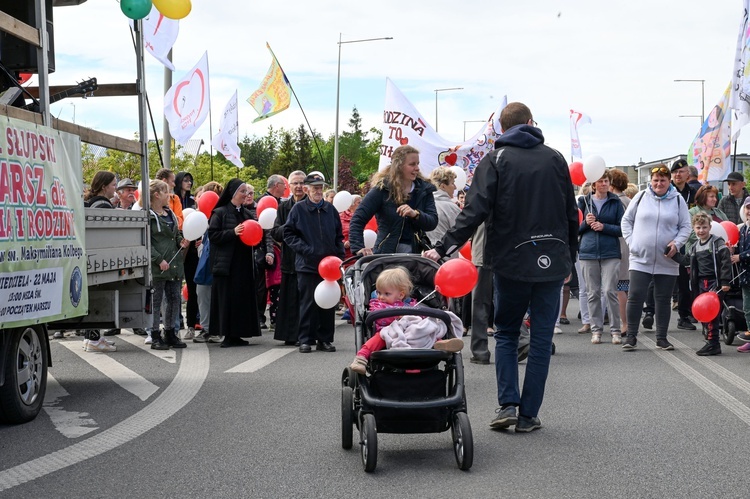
(392, 287)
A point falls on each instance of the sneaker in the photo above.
(359, 365)
(452, 345)
(148, 339)
(505, 418)
(629, 343)
(692, 319)
(85, 342)
(558, 330)
(648, 321)
(139, 331)
(743, 336)
(709, 349)
(744, 348)
(189, 334)
(564, 320)
(201, 337)
(684, 323)
(586, 329)
(215, 339)
(198, 327)
(58, 335)
(596, 338)
(100, 346)
(526, 424)
(663, 344)
(617, 339)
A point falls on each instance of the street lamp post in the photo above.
(703, 98)
(338, 87)
(74, 111)
(436, 101)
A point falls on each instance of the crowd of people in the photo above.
(634, 257)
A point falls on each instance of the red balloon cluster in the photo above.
(733, 233)
(266, 202)
(252, 233)
(456, 278)
(207, 203)
(706, 306)
(329, 268)
(576, 173)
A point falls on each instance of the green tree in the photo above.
(286, 157)
(304, 149)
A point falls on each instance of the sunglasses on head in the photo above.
(660, 169)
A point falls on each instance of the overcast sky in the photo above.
(615, 61)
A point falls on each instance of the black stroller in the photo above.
(404, 391)
(732, 313)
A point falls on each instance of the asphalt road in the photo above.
(264, 421)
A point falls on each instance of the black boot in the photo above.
(157, 343)
(171, 339)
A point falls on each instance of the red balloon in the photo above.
(207, 202)
(24, 77)
(287, 189)
(372, 225)
(733, 233)
(456, 278)
(266, 202)
(329, 268)
(580, 216)
(184, 292)
(706, 306)
(576, 173)
(465, 251)
(252, 233)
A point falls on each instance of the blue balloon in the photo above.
(136, 9)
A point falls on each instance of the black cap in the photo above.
(680, 163)
(315, 179)
(126, 182)
(735, 177)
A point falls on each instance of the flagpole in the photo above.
(211, 133)
(312, 133)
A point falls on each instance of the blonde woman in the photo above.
(445, 182)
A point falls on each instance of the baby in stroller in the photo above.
(393, 286)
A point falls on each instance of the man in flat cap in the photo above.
(125, 194)
(731, 204)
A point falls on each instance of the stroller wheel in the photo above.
(730, 333)
(347, 416)
(463, 441)
(368, 442)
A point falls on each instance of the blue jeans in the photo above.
(512, 300)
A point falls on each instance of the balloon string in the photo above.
(170, 260)
(427, 297)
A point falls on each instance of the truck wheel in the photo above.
(22, 395)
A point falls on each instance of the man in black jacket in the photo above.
(313, 231)
(523, 191)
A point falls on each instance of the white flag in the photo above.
(576, 119)
(739, 98)
(226, 140)
(403, 124)
(159, 34)
(187, 103)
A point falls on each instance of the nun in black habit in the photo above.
(234, 313)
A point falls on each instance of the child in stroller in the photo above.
(392, 287)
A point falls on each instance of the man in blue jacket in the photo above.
(523, 191)
(313, 231)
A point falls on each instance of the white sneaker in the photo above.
(616, 339)
(596, 338)
(189, 334)
(148, 339)
(558, 330)
(100, 346)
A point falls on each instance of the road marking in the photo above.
(721, 371)
(70, 423)
(738, 408)
(260, 361)
(127, 379)
(135, 340)
(190, 377)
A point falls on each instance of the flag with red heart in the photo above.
(187, 103)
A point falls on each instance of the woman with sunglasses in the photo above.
(655, 226)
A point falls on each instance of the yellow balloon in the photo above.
(173, 9)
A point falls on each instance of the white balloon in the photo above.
(194, 226)
(137, 205)
(342, 201)
(593, 168)
(186, 212)
(316, 172)
(327, 294)
(267, 218)
(460, 176)
(370, 237)
(719, 231)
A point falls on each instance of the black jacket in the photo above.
(223, 239)
(187, 201)
(722, 263)
(391, 227)
(313, 233)
(288, 256)
(524, 192)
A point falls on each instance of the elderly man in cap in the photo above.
(125, 194)
(680, 173)
(313, 231)
(731, 204)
